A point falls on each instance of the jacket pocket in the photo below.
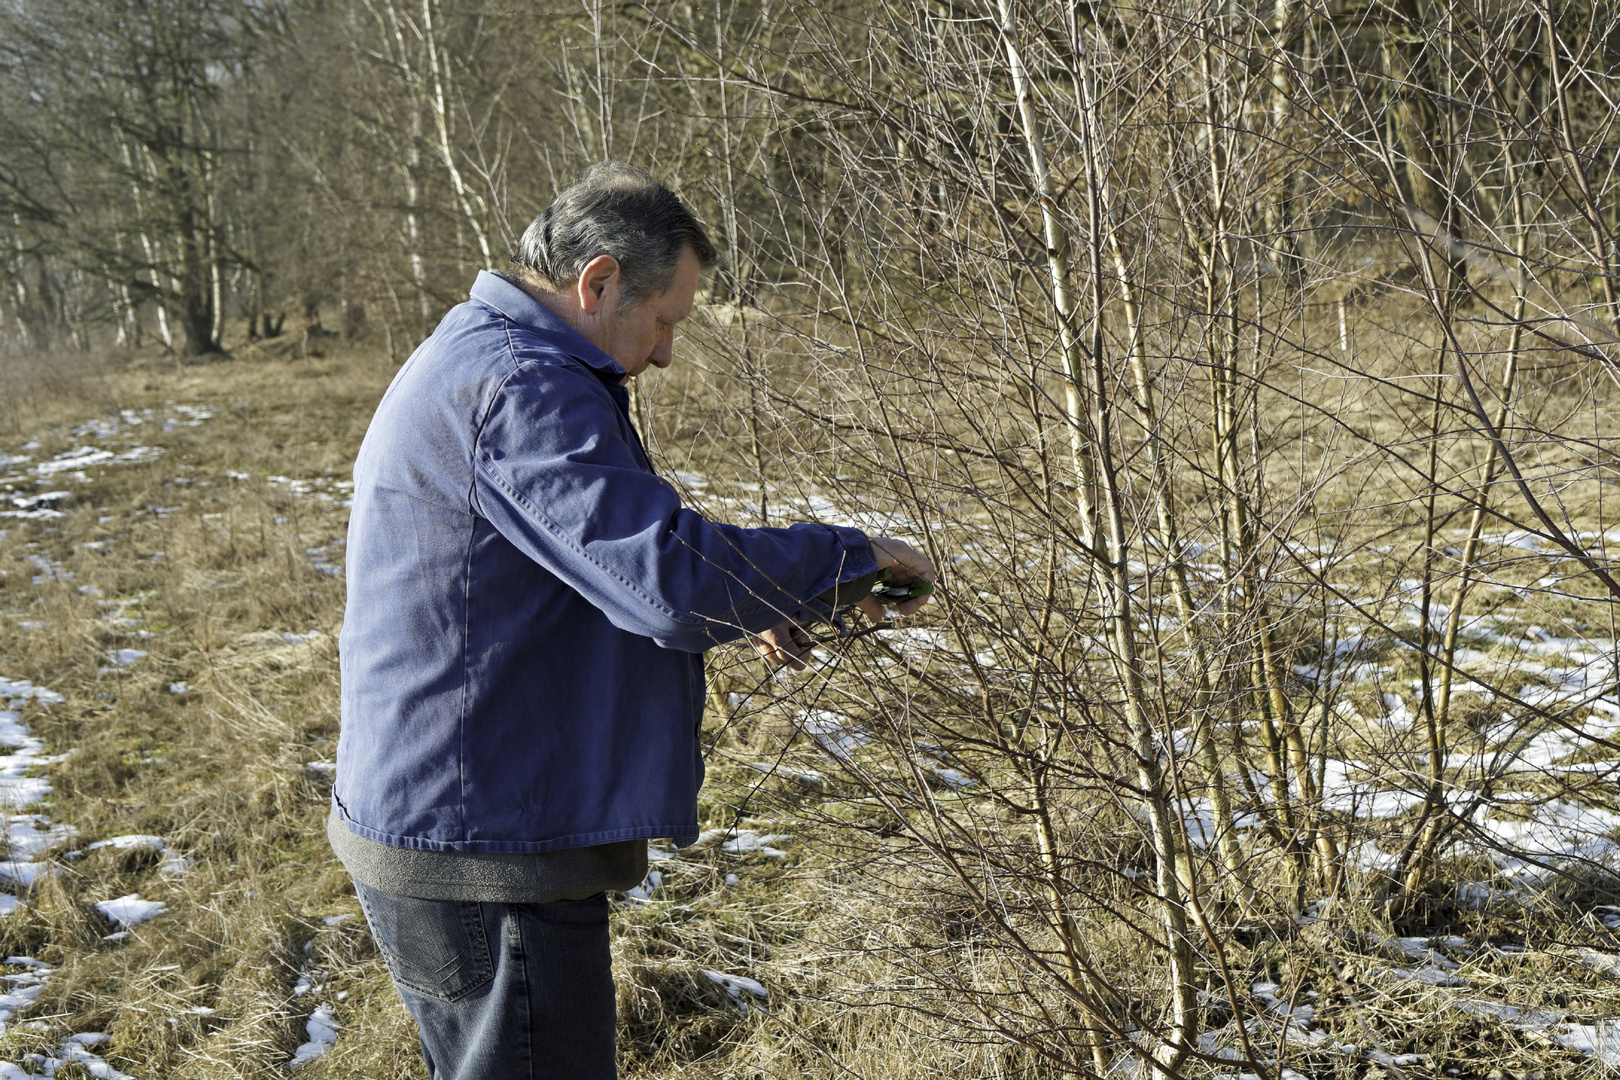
(436, 948)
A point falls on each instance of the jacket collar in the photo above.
(496, 292)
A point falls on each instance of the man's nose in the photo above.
(664, 352)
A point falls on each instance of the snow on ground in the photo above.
(130, 910)
(322, 1028)
(836, 734)
(744, 992)
(75, 1049)
(29, 835)
(71, 465)
(329, 559)
(22, 988)
(133, 842)
(743, 842)
(806, 777)
(1599, 1039)
(644, 892)
(1526, 785)
(747, 842)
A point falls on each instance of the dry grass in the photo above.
(205, 573)
(872, 958)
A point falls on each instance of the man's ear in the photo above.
(598, 276)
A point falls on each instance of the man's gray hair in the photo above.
(615, 210)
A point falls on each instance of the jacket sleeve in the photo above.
(555, 473)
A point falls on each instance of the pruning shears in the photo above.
(888, 594)
(898, 594)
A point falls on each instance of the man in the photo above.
(522, 651)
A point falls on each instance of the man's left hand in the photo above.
(787, 642)
(784, 644)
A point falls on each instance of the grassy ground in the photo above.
(197, 558)
(211, 553)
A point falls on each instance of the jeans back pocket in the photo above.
(437, 948)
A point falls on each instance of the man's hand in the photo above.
(905, 565)
(783, 645)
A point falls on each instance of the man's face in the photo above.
(642, 334)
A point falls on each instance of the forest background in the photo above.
(1248, 369)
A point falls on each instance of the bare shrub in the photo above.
(1250, 376)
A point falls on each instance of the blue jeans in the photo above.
(520, 991)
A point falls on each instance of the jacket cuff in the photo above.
(856, 576)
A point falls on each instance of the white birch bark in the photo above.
(439, 70)
(1101, 504)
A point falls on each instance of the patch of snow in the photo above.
(835, 733)
(44, 500)
(1198, 816)
(19, 690)
(30, 835)
(1431, 975)
(132, 842)
(24, 874)
(74, 1051)
(1381, 1057)
(748, 842)
(70, 460)
(917, 639)
(130, 910)
(736, 986)
(322, 1029)
(25, 986)
(1507, 1014)
(644, 892)
(1600, 1040)
(808, 777)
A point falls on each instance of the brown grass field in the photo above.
(212, 554)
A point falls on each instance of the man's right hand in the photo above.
(905, 565)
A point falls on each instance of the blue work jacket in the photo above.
(522, 653)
